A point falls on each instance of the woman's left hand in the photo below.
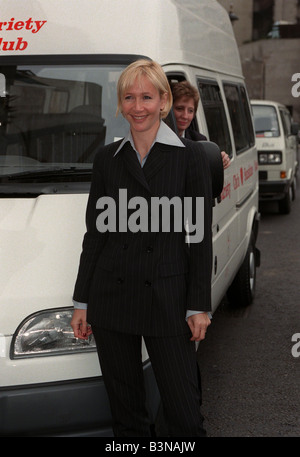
(81, 328)
(198, 324)
(225, 159)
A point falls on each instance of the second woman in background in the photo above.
(185, 103)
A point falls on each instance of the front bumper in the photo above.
(273, 190)
(68, 408)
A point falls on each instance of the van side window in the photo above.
(240, 122)
(215, 114)
(286, 122)
(248, 116)
(174, 78)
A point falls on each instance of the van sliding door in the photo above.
(225, 224)
(246, 161)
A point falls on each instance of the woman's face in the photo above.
(184, 111)
(141, 106)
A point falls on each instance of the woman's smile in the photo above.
(141, 106)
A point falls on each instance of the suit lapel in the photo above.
(133, 165)
(155, 161)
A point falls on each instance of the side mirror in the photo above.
(295, 127)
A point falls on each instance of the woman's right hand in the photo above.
(81, 328)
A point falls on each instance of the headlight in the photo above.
(270, 158)
(48, 333)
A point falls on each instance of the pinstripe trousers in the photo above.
(173, 359)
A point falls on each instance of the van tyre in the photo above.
(294, 187)
(242, 290)
(285, 204)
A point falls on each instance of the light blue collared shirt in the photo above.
(165, 136)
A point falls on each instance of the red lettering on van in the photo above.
(242, 176)
(248, 172)
(236, 181)
(18, 45)
(226, 191)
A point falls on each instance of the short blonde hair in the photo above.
(154, 72)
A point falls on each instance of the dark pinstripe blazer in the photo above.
(144, 282)
(194, 135)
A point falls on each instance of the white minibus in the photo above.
(59, 64)
(277, 145)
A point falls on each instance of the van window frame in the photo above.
(179, 77)
(248, 115)
(71, 59)
(245, 121)
(276, 117)
(214, 83)
(286, 122)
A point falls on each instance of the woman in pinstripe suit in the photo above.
(148, 282)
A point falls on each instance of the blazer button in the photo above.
(147, 283)
(149, 249)
(125, 246)
(120, 281)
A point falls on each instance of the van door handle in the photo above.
(243, 201)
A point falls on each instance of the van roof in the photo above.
(266, 102)
(191, 32)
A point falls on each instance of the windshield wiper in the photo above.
(45, 173)
(263, 131)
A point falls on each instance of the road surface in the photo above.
(250, 378)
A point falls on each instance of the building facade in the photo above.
(268, 36)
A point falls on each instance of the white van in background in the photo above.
(61, 62)
(277, 145)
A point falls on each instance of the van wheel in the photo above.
(284, 205)
(242, 290)
(294, 187)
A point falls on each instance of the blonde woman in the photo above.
(146, 283)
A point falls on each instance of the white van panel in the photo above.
(36, 276)
(49, 369)
(71, 28)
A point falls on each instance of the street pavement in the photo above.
(250, 378)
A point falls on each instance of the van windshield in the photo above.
(53, 117)
(265, 121)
